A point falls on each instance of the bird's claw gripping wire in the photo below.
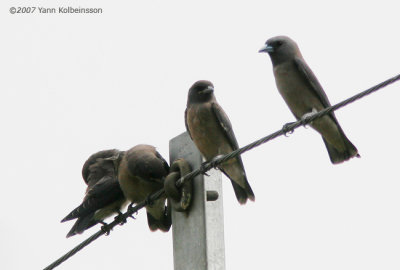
(306, 116)
(120, 218)
(105, 228)
(214, 161)
(203, 168)
(287, 129)
(130, 206)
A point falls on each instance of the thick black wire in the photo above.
(220, 159)
(286, 129)
(105, 229)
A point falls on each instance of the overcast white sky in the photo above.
(72, 85)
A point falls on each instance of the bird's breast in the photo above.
(135, 188)
(206, 131)
(293, 88)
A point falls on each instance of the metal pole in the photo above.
(198, 235)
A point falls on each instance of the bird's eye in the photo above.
(278, 43)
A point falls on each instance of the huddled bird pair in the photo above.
(115, 178)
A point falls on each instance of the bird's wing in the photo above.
(95, 167)
(187, 127)
(103, 193)
(314, 84)
(225, 125)
(310, 78)
(164, 162)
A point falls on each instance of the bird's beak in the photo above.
(208, 90)
(266, 48)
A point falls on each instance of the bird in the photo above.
(142, 171)
(211, 131)
(305, 96)
(103, 196)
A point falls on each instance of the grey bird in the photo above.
(103, 196)
(304, 95)
(142, 172)
(211, 131)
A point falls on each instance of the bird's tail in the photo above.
(159, 216)
(242, 194)
(337, 156)
(82, 224)
(234, 170)
(82, 210)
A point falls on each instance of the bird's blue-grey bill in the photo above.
(208, 90)
(266, 48)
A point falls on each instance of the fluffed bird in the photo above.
(211, 131)
(142, 172)
(103, 196)
(304, 95)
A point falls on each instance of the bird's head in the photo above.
(280, 49)
(201, 91)
(95, 165)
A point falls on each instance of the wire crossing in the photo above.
(288, 128)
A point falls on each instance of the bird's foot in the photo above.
(130, 206)
(287, 129)
(203, 169)
(215, 160)
(306, 116)
(120, 218)
(105, 228)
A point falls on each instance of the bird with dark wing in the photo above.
(211, 131)
(103, 197)
(142, 172)
(304, 95)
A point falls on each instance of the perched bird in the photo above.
(211, 131)
(103, 196)
(142, 172)
(304, 95)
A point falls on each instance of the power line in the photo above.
(106, 229)
(218, 160)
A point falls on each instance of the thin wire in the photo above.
(288, 128)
